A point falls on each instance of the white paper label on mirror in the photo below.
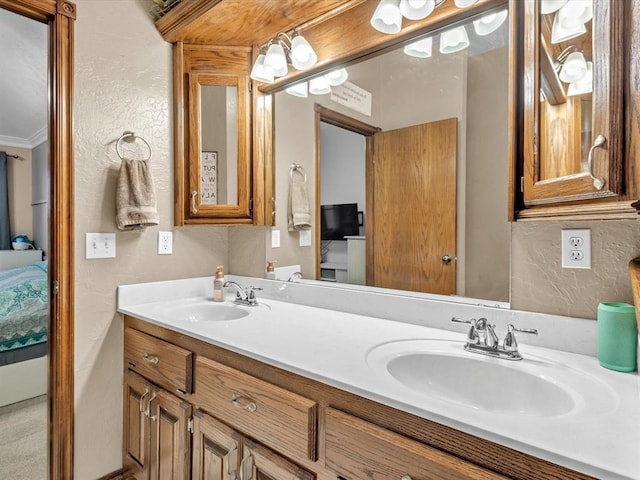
(209, 179)
(352, 96)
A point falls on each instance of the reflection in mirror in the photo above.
(433, 197)
(219, 134)
(24, 227)
(566, 81)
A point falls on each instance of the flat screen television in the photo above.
(338, 221)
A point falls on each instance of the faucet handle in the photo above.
(510, 343)
(462, 320)
(472, 336)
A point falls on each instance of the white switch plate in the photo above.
(275, 238)
(576, 248)
(100, 245)
(165, 243)
(305, 238)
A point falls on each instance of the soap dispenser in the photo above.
(270, 274)
(218, 285)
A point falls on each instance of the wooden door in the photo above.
(136, 426)
(413, 195)
(260, 463)
(216, 449)
(170, 456)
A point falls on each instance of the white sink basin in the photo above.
(537, 387)
(204, 311)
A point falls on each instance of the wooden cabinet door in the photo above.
(561, 160)
(216, 449)
(136, 438)
(260, 463)
(170, 455)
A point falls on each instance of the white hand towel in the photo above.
(298, 215)
(135, 196)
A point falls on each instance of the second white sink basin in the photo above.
(444, 371)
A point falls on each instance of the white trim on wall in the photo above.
(33, 141)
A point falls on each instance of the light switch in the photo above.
(275, 238)
(100, 245)
(305, 238)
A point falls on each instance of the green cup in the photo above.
(617, 336)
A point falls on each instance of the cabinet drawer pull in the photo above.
(249, 460)
(194, 208)
(141, 401)
(232, 461)
(150, 358)
(406, 477)
(599, 141)
(148, 411)
(243, 402)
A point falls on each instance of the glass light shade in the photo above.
(421, 48)
(319, 86)
(416, 9)
(297, 90)
(387, 17)
(575, 12)
(550, 6)
(337, 77)
(454, 40)
(276, 59)
(561, 34)
(584, 85)
(574, 68)
(464, 3)
(489, 23)
(260, 72)
(302, 54)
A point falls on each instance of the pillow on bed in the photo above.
(41, 265)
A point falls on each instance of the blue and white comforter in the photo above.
(24, 306)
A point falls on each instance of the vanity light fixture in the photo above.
(337, 77)
(464, 3)
(298, 90)
(420, 49)
(260, 72)
(584, 85)
(550, 6)
(281, 51)
(560, 33)
(416, 9)
(319, 86)
(489, 23)
(387, 17)
(454, 40)
(572, 65)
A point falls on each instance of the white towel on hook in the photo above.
(299, 214)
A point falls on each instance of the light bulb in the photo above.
(575, 12)
(489, 23)
(298, 90)
(550, 6)
(464, 3)
(416, 9)
(584, 85)
(319, 86)
(260, 72)
(421, 48)
(560, 34)
(337, 77)
(454, 40)
(574, 68)
(302, 54)
(387, 17)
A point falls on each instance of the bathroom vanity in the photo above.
(311, 383)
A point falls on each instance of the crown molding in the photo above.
(18, 142)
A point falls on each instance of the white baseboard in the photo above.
(23, 380)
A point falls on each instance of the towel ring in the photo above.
(297, 168)
(131, 137)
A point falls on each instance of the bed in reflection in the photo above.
(24, 317)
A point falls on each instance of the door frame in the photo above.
(60, 16)
(326, 115)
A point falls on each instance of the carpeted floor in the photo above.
(23, 440)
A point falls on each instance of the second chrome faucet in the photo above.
(482, 338)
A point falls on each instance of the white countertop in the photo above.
(335, 347)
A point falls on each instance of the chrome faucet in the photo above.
(295, 276)
(243, 296)
(482, 339)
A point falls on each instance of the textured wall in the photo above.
(19, 181)
(540, 284)
(122, 82)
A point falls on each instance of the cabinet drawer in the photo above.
(356, 449)
(161, 362)
(272, 415)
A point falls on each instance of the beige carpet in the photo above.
(23, 440)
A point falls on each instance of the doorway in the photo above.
(60, 17)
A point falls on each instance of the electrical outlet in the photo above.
(576, 248)
(100, 245)
(165, 243)
(275, 238)
(305, 238)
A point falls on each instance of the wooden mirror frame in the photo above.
(60, 16)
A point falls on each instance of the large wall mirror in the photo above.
(417, 138)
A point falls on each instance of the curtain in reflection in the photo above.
(5, 233)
